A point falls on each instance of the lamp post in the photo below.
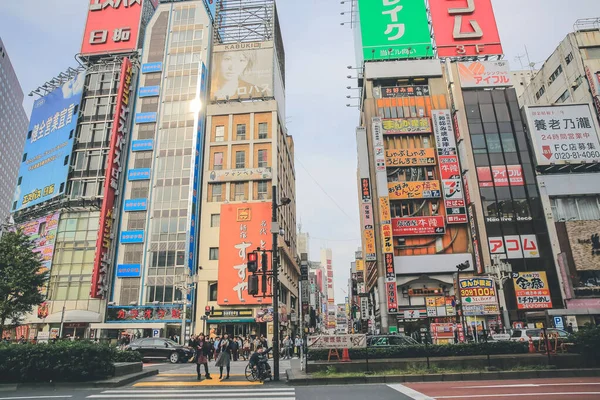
(184, 284)
(461, 267)
(502, 271)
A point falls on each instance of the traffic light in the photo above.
(207, 310)
(253, 262)
(253, 285)
(265, 262)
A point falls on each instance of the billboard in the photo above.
(464, 28)
(563, 134)
(112, 26)
(484, 74)
(42, 232)
(244, 228)
(414, 190)
(514, 246)
(531, 290)
(242, 71)
(112, 184)
(211, 7)
(418, 226)
(406, 125)
(49, 144)
(393, 30)
(404, 91)
(500, 175)
(478, 291)
(584, 240)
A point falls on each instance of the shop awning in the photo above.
(230, 320)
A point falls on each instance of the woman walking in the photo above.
(224, 357)
(203, 349)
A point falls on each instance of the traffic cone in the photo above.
(346, 356)
(531, 346)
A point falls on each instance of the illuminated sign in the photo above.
(418, 226)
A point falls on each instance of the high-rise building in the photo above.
(249, 161)
(13, 126)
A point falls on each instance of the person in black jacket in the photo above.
(203, 349)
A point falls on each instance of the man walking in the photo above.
(298, 344)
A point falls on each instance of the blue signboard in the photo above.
(129, 270)
(142, 145)
(48, 146)
(136, 205)
(132, 237)
(152, 67)
(139, 174)
(211, 6)
(149, 91)
(145, 118)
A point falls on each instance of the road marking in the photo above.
(213, 382)
(194, 375)
(541, 395)
(413, 394)
(141, 391)
(35, 397)
(215, 396)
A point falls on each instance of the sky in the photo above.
(42, 37)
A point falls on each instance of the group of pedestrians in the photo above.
(291, 346)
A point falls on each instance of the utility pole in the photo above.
(461, 267)
(275, 268)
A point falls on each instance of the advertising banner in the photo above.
(414, 190)
(584, 238)
(444, 132)
(478, 291)
(384, 210)
(371, 252)
(367, 211)
(465, 28)
(129, 271)
(136, 205)
(234, 175)
(409, 157)
(405, 91)
(244, 228)
(337, 342)
(481, 309)
(500, 175)
(242, 71)
(449, 168)
(112, 184)
(563, 134)
(112, 26)
(138, 174)
(484, 74)
(142, 145)
(163, 313)
(49, 144)
(149, 68)
(531, 290)
(393, 30)
(378, 147)
(392, 297)
(515, 246)
(418, 226)
(42, 232)
(149, 91)
(387, 238)
(406, 125)
(145, 118)
(366, 190)
(132, 237)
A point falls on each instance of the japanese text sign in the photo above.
(405, 91)
(387, 238)
(409, 157)
(406, 125)
(369, 239)
(384, 210)
(563, 134)
(390, 273)
(415, 226)
(500, 175)
(478, 291)
(414, 190)
(337, 342)
(464, 28)
(244, 228)
(484, 74)
(531, 289)
(394, 29)
(515, 246)
(392, 297)
(112, 26)
(42, 232)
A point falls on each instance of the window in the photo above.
(262, 130)
(240, 132)
(215, 220)
(212, 291)
(220, 134)
(262, 159)
(217, 192)
(213, 253)
(218, 161)
(555, 74)
(563, 97)
(576, 208)
(262, 190)
(540, 92)
(239, 194)
(569, 58)
(593, 52)
(240, 159)
(508, 142)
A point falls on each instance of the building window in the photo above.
(555, 74)
(215, 220)
(540, 92)
(576, 208)
(217, 192)
(563, 97)
(569, 58)
(239, 194)
(213, 253)
(262, 190)
(220, 133)
(262, 130)
(241, 132)
(212, 291)
(130, 289)
(218, 161)
(240, 159)
(262, 159)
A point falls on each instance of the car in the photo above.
(522, 335)
(159, 348)
(390, 340)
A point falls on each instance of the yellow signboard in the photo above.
(384, 209)
(369, 235)
(414, 190)
(406, 125)
(409, 157)
(360, 265)
(387, 238)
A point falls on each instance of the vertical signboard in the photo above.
(244, 228)
(465, 28)
(532, 291)
(394, 29)
(112, 26)
(112, 184)
(48, 146)
(368, 225)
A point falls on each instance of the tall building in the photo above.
(562, 105)
(13, 125)
(248, 154)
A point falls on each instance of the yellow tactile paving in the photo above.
(214, 382)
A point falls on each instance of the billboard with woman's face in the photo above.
(242, 71)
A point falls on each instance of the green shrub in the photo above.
(415, 351)
(587, 343)
(126, 356)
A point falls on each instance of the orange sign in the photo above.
(387, 238)
(414, 190)
(244, 228)
(384, 209)
(532, 291)
(409, 157)
(369, 235)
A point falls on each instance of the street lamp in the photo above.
(502, 273)
(461, 318)
(184, 283)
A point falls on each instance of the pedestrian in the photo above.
(246, 347)
(298, 344)
(287, 344)
(203, 350)
(235, 349)
(22, 340)
(212, 349)
(224, 357)
(570, 328)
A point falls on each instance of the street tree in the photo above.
(21, 278)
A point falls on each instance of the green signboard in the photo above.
(394, 29)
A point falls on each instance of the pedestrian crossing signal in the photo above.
(253, 285)
(253, 262)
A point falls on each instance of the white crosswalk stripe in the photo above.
(200, 394)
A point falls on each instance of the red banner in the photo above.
(418, 226)
(112, 179)
(500, 175)
(449, 167)
(392, 297)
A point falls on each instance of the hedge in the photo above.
(587, 343)
(445, 350)
(59, 362)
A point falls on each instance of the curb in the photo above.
(106, 383)
(447, 377)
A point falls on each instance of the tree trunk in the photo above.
(2, 327)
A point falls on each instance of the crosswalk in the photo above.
(283, 393)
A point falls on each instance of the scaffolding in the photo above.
(587, 24)
(243, 21)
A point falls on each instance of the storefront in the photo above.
(240, 322)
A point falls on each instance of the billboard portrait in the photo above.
(42, 232)
(242, 71)
(49, 144)
(244, 228)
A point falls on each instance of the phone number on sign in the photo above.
(576, 155)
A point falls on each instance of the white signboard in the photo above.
(482, 74)
(234, 175)
(364, 308)
(337, 342)
(379, 150)
(43, 337)
(515, 246)
(564, 134)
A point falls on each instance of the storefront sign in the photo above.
(142, 145)
(387, 238)
(418, 226)
(414, 190)
(128, 271)
(136, 205)
(515, 246)
(367, 211)
(449, 168)
(406, 125)
(132, 237)
(369, 236)
(366, 189)
(405, 91)
(145, 118)
(149, 91)
(390, 273)
(232, 313)
(409, 157)
(378, 148)
(500, 175)
(480, 309)
(337, 342)
(148, 68)
(234, 175)
(138, 174)
(478, 291)
(264, 315)
(531, 289)
(384, 210)
(484, 74)
(164, 313)
(475, 237)
(392, 297)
